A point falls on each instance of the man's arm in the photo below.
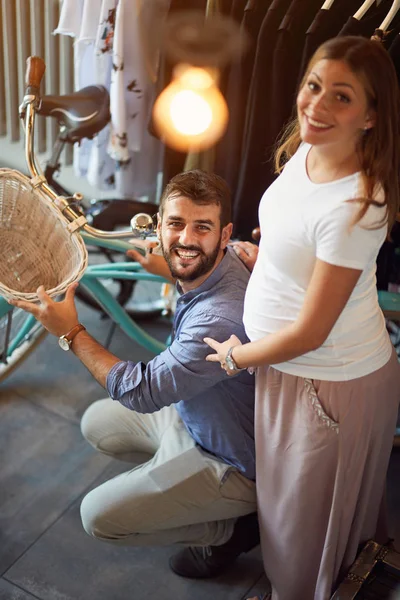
(178, 373)
(96, 359)
(59, 318)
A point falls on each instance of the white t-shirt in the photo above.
(301, 221)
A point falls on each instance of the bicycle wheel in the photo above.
(23, 337)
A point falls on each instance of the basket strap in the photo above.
(77, 224)
(37, 181)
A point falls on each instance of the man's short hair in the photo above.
(201, 188)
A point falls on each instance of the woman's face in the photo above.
(332, 106)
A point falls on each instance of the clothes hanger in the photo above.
(327, 4)
(363, 9)
(390, 16)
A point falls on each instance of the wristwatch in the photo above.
(232, 366)
(65, 341)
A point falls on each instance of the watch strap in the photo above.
(73, 332)
(230, 361)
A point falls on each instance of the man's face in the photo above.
(191, 239)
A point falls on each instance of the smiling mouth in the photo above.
(186, 254)
(317, 124)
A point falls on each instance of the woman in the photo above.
(326, 410)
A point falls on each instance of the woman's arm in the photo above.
(328, 292)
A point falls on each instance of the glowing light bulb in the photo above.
(191, 113)
(184, 106)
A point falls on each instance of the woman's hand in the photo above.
(247, 252)
(57, 317)
(221, 350)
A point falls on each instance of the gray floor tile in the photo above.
(261, 587)
(65, 563)
(45, 465)
(10, 592)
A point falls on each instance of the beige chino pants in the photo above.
(175, 493)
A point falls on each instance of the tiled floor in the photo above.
(45, 469)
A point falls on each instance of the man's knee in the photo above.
(97, 518)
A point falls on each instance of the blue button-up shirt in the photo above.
(217, 410)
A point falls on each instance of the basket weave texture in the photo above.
(36, 246)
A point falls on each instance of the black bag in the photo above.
(375, 575)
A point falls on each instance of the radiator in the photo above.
(26, 27)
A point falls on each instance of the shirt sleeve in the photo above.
(340, 243)
(179, 373)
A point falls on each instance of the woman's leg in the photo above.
(322, 452)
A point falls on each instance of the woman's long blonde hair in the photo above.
(379, 146)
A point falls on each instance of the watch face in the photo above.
(63, 343)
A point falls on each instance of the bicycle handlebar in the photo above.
(35, 68)
(34, 74)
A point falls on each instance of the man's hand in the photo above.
(57, 317)
(247, 252)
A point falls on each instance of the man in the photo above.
(189, 427)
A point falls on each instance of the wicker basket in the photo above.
(36, 244)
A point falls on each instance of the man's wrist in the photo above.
(66, 340)
(79, 334)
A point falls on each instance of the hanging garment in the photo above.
(327, 24)
(123, 157)
(235, 8)
(367, 25)
(257, 122)
(228, 150)
(287, 61)
(394, 52)
(271, 100)
(137, 156)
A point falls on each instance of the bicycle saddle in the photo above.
(83, 113)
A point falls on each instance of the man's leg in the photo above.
(181, 495)
(122, 433)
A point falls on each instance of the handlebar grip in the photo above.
(35, 68)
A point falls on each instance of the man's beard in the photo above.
(207, 261)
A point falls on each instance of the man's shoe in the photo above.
(201, 562)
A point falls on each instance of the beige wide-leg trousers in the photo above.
(176, 493)
(322, 452)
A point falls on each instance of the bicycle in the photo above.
(83, 114)
(21, 333)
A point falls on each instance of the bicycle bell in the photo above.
(142, 225)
